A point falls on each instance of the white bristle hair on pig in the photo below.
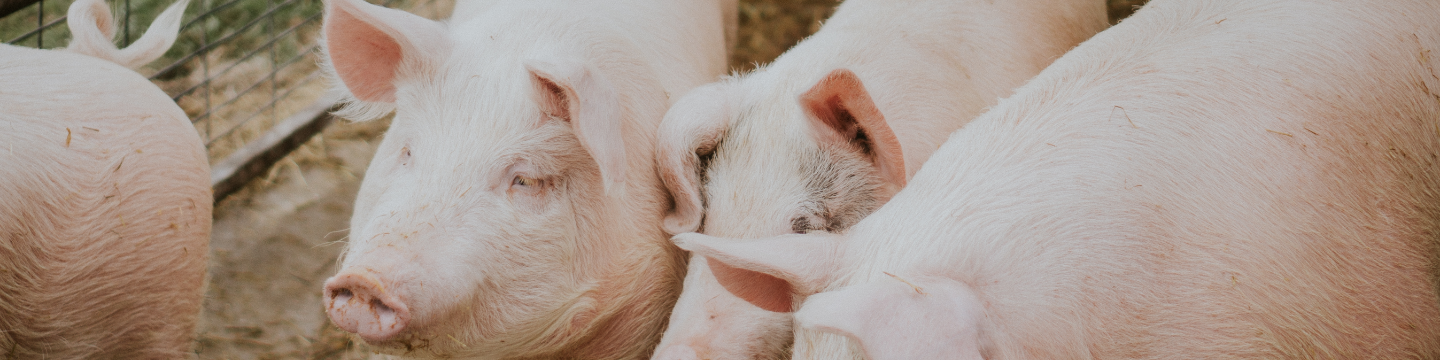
(105, 200)
(1205, 180)
(827, 133)
(512, 209)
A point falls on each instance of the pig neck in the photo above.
(943, 65)
(638, 280)
(642, 282)
(642, 304)
(636, 289)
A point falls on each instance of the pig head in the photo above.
(829, 162)
(511, 209)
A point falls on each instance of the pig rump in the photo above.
(104, 207)
(107, 266)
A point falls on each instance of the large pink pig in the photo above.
(512, 210)
(1206, 180)
(104, 199)
(828, 132)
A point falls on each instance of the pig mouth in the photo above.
(406, 344)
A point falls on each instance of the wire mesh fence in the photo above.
(239, 68)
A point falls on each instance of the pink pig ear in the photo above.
(370, 46)
(571, 92)
(898, 320)
(691, 130)
(842, 112)
(808, 262)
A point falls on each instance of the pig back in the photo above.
(684, 41)
(104, 211)
(1203, 180)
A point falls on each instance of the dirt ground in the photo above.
(275, 242)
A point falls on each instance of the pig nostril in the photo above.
(342, 295)
(380, 307)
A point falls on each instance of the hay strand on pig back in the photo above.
(917, 288)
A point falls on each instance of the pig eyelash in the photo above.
(528, 188)
(529, 184)
(526, 181)
(805, 224)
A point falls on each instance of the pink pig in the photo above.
(1206, 180)
(104, 199)
(830, 131)
(512, 210)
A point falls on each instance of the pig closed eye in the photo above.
(527, 188)
(804, 224)
(528, 192)
(528, 185)
(525, 181)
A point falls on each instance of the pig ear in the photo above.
(842, 112)
(896, 319)
(370, 47)
(92, 29)
(808, 262)
(691, 130)
(571, 92)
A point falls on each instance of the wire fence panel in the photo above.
(239, 67)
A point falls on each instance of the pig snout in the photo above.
(358, 303)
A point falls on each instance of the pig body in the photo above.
(1231, 179)
(104, 200)
(512, 210)
(828, 132)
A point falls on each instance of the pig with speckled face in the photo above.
(1239, 179)
(827, 133)
(512, 209)
(104, 199)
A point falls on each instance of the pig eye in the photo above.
(525, 187)
(405, 155)
(525, 181)
(528, 191)
(804, 224)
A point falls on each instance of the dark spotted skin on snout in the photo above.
(842, 188)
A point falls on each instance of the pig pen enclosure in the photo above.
(284, 171)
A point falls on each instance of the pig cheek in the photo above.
(764, 291)
(532, 201)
